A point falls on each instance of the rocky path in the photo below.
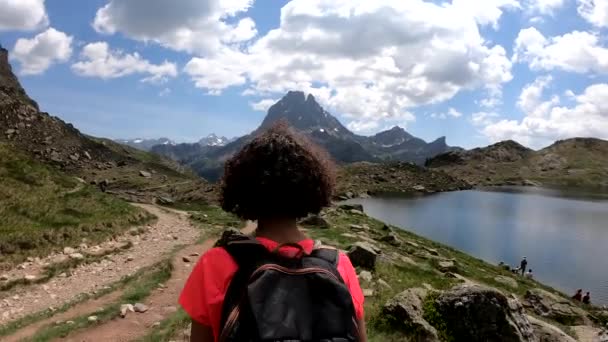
(148, 248)
(161, 303)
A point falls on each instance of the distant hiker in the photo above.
(578, 295)
(522, 265)
(587, 298)
(267, 287)
(529, 274)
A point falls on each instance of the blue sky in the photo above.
(476, 72)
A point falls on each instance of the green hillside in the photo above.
(43, 209)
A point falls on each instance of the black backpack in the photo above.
(275, 298)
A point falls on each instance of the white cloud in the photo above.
(36, 55)
(594, 11)
(363, 126)
(587, 117)
(22, 15)
(483, 118)
(545, 7)
(530, 99)
(454, 113)
(187, 25)
(164, 92)
(417, 53)
(262, 105)
(450, 113)
(576, 51)
(99, 61)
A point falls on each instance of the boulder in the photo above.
(478, 313)
(316, 221)
(405, 312)
(431, 251)
(363, 254)
(391, 239)
(559, 309)
(366, 276)
(447, 266)
(349, 207)
(357, 212)
(165, 200)
(546, 332)
(507, 281)
(145, 174)
(92, 319)
(357, 228)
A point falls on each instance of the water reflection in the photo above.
(564, 237)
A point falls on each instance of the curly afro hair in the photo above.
(279, 174)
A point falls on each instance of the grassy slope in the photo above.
(403, 275)
(42, 209)
(397, 177)
(574, 162)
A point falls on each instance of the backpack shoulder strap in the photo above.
(244, 249)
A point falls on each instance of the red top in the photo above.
(203, 294)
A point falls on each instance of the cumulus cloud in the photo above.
(36, 55)
(576, 51)
(98, 60)
(187, 25)
(262, 105)
(450, 113)
(594, 11)
(545, 7)
(22, 15)
(417, 53)
(588, 116)
(483, 118)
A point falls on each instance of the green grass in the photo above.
(136, 289)
(43, 210)
(404, 275)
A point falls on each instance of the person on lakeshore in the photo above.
(587, 298)
(578, 296)
(260, 288)
(529, 274)
(522, 265)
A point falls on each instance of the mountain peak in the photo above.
(304, 113)
(214, 140)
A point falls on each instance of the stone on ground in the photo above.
(366, 276)
(125, 308)
(316, 221)
(362, 254)
(392, 239)
(368, 292)
(548, 305)
(68, 250)
(447, 266)
(92, 318)
(478, 313)
(405, 311)
(384, 284)
(145, 174)
(76, 256)
(349, 207)
(546, 332)
(139, 307)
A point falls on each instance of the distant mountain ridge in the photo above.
(570, 162)
(145, 144)
(306, 115)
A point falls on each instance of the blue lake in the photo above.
(563, 234)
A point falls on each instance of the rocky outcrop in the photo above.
(477, 313)
(363, 254)
(315, 221)
(548, 305)
(546, 332)
(405, 313)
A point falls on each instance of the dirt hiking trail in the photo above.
(172, 229)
